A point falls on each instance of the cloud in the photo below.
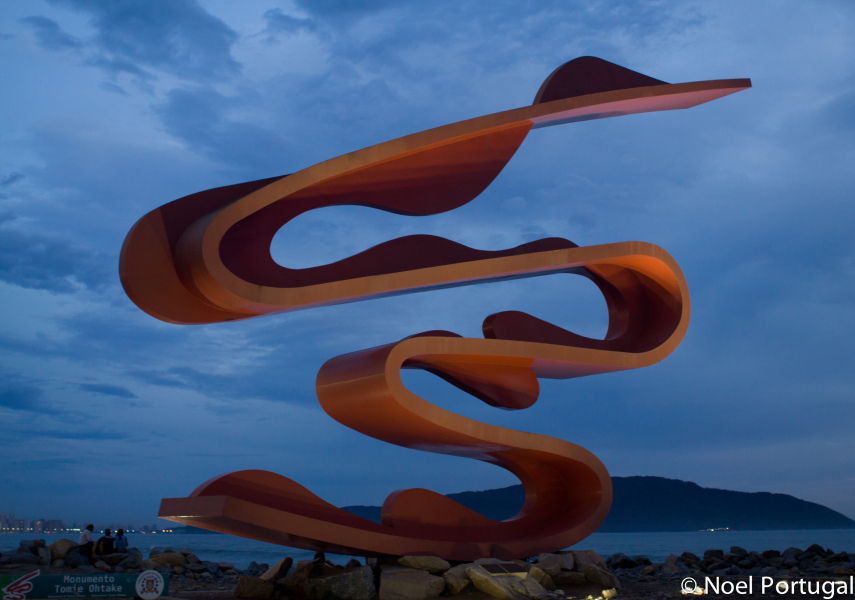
(279, 23)
(175, 36)
(46, 261)
(50, 36)
(20, 396)
(10, 179)
(108, 390)
(202, 118)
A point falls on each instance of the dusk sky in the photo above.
(111, 109)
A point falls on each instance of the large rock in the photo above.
(354, 584)
(31, 546)
(100, 564)
(602, 577)
(173, 559)
(505, 587)
(279, 570)
(60, 548)
(486, 583)
(431, 564)
(75, 559)
(566, 579)
(584, 558)
(409, 584)
(114, 559)
(296, 578)
(254, 588)
(553, 563)
(20, 558)
(621, 561)
(132, 562)
(541, 577)
(672, 566)
(456, 579)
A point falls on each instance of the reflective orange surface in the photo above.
(206, 258)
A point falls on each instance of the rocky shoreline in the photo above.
(794, 573)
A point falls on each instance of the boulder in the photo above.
(456, 579)
(484, 582)
(173, 559)
(354, 584)
(75, 559)
(540, 577)
(431, 564)
(602, 577)
(553, 563)
(114, 559)
(673, 566)
(20, 558)
(254, 588)
(566, 579)
(60, 548)
(620, 561)
(714, 554)
(132, 562)
(410, 584)
(212, 567)
(279, 570)
(31, 546)
(353, 563)
(738, 551)
(295, 579)
(505, 587)
(583, 558)
(43, 553)
(100, 564)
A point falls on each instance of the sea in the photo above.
(218, 547)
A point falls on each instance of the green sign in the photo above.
(146, 585)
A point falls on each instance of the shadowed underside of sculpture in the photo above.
(206, 258)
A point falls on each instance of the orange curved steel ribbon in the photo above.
(205, 258)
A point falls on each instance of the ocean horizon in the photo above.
(219, 547)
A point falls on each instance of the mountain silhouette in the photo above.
(660, 504)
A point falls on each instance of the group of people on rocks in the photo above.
(106, 544)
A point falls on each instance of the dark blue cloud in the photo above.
(201, 118)
(48, 262)
(10, 179)
(21, 396)
(176, 36)
(50, 35)
(108, 390)
(279, 23)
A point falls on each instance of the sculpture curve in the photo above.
(205, 258)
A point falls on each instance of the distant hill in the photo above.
(660, 504)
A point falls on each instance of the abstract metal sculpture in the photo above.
(205, 258)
